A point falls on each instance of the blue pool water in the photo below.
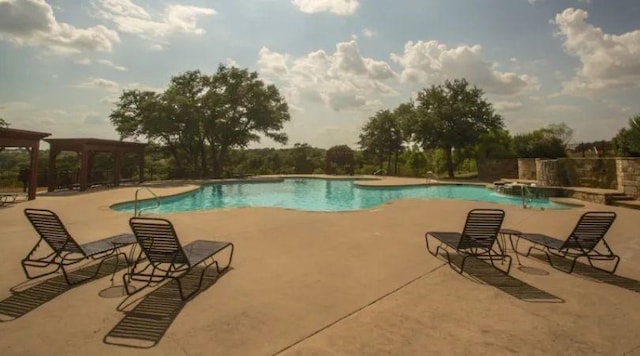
(321, 195)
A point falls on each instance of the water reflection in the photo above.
(322, 195)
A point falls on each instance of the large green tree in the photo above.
(538, 144)
(627, 141)
(3, 123)
(200, 118)
(382, 138)
(340, 156)
(452, 115)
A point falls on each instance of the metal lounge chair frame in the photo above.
(586, 235)
(477, 239)
(162, 257)
(66, 251)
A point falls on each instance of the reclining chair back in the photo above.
(589, 230)
(51, 230)
(158, 240)
(481, 229)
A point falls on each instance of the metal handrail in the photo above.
(137, 212)
(527, 196)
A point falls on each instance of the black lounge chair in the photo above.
(582, 242)
(162, 256)
(476, 240)
(66, 251)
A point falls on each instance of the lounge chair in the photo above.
(66, 251)
(8, 197)
(163, 257)
(476, 240)
(582, 242)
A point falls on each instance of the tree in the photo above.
(302, 157)
(538, 144)
(494, 144)
(417, 161)
(382, 137)
(627, 141)
(451, 115)
(201, 118)
(4, 123)
(341, 156)
(561, 131)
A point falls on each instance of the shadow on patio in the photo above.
(145, 325)
(485, 273)
(36, 293)
(584, 270)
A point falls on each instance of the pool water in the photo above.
(321, 195)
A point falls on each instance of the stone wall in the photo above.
(628, 172)
(490, 170)
(527, 169)
(579, 172)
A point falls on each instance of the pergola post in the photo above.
(141, 166)
(84, 170)
(90, 166)
(33, 177)
(51, 172)
(88, 147)
(117, 170)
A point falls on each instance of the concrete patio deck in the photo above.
(337, 283)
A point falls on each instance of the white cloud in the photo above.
(32, 23)
(369, 33)
(105, 62)
(133, 19)
(507, 106)
(108, 63)
(338, 7)
(607, 61)
(433, 62)
(143, 87)
(99, 83)
(561, 108)
(343, 80)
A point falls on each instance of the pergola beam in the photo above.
(31, 141)
(87, 147)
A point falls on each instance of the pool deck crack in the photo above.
(358, 310)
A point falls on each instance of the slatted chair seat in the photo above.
(582, 242)
(164, 258)
(477, 239)
(65, 250)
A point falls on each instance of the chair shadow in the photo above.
(38, 293)
(585, 270)
(145, 325)
(483, 272)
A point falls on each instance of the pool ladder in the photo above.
(138, 212)
(527, 196)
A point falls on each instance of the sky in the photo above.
(63, 63)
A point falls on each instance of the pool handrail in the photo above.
(137, 212)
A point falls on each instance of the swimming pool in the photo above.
(320, 195)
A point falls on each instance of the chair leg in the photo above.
(197, 289)
(221, 270)
(102, 260)
(515, 247)
(612, 271)
(30, 276)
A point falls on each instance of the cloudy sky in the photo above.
(64, 62)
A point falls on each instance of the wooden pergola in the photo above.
(29, 140)
(87, 148)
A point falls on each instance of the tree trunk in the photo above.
(447, 151)
(218, 156)
(203, 159)
(395, 168)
